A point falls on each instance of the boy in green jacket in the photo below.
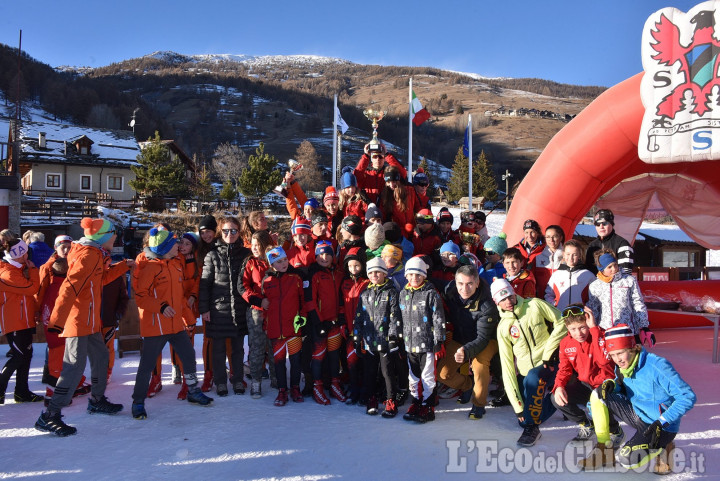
(529, 333)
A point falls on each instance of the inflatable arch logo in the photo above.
(681, 86)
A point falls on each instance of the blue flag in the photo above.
(466, 142)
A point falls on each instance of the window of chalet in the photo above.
(115, 182)
(679, 258)
(85, 182)
(53, 181)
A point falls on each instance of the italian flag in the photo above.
(419, 114)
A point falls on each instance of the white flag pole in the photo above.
(470, 165)
(410, 129)
(334, 136)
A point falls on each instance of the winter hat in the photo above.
(355, 254)
(501, 289)
(416, 265)
(619, 337)
(352, 224)
(497, 244)
(372, 212)
(275, 254)
(207, 222)
(17, 250)
(301, 226)
(394, 252)
(161, 240)
(425, 216)
(374, 236)
(392, 232)
(331, 195)
(445, 216)
(604, 215)
(62, 238)
(193, 238)
(392, 174)
(605, 260)
(348, 179)
(467, 216)
(450, 247)
(98, 230)
(532, 224)
(312, 202)
(324, 247)
(376, 264)
(480, 216)
(318, 217)
(420, 178)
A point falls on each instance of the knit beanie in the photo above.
(275, 254)
(331, 195)
(420, 178)
(532, 224)
(496, 244)
(445, 216)
(501, 289)
(17, 251)
(352, 224)
(312, 202)
(207, 222)
(415, 265)
(301, 226)
(376, 264)
(480, 216)
(450, 247)
(348, 179)
(161, 240)
(62, 238)
(374, 236)
(318, 217)
(372, 212)
(97, 230)
(193, 238)
(425, 216)
(355, 254)
(619, 337)
(394, 252)
(324, 247)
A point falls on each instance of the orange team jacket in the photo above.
(295, 196)
(77, 308)
(17, 298)
(524, 284)
(191, 288)
(158, 283)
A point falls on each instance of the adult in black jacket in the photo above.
(221, 306)
(473, 318)
(604, 221)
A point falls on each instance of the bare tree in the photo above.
(228, 162)
(310, 177)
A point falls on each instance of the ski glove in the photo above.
(653, 433)
(604, 389)
(647, 338)
(439, 350)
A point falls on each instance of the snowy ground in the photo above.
(242, 438)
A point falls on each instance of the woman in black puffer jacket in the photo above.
(221, 306)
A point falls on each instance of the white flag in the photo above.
(341, 123)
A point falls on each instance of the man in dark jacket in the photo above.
(473, 318)
(604, 221)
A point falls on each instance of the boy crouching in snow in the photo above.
(158, 285)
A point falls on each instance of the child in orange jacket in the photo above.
(158, 285)
(19, 281)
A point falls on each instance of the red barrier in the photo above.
(679, 290)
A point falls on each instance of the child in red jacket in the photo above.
(302, 252)
(283, 302)
(522, 280)
(325, 321)
(354, 282)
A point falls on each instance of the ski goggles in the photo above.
(572, 311)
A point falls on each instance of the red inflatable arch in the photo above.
(589, 156)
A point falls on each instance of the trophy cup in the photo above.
(293, 167)
(375, 116)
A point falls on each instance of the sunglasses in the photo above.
(601, 223)
(426, 218)
(376, 156)
(489, 253)
(572, 311)
(229, 231)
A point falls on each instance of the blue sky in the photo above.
(577, 42)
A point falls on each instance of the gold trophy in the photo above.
(294, 166)
(375, 116)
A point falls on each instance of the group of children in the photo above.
(349, 300)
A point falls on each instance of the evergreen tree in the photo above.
(484, 182)
(310, 177)
(202, 188)
(228, 191)
(458, 184)
(158, 175)
(259, 178)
